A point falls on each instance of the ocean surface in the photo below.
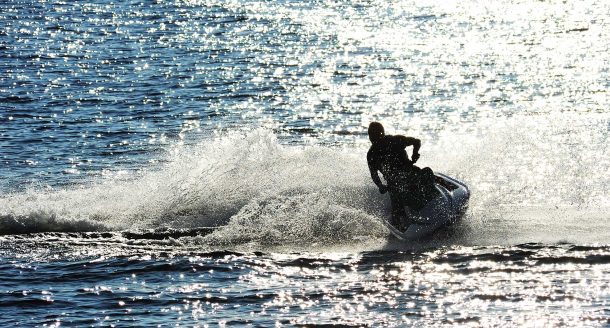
(202, 163)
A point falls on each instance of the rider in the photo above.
(408, 184)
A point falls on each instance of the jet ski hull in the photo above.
(439, 212)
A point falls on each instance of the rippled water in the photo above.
(101, 84)
(127, 129)
(522, 285)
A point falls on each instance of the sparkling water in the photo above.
(203, 162)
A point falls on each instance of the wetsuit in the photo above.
(408, 184)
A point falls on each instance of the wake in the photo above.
(526, 183)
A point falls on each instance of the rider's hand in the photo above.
(415, 157)
(383, 189)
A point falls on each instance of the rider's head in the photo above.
(376, 131)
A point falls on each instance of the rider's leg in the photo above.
(398, 211)
(427, 184)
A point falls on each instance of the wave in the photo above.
(314, 218)
(208, 184)
(532, 180)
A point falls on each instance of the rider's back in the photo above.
(388, 155)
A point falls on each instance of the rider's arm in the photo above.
(410, 141)
(374, 173)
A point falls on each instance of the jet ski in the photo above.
(441, 211)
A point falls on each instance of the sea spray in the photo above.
(201, 185)
(301, 219)
(521, 189)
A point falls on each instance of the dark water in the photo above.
(127, 129)
(78, 283)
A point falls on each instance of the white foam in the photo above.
(532, 180)
(202, 185)
(539, 178)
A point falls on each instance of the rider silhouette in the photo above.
(408, 184)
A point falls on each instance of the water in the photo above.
(128, 129)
